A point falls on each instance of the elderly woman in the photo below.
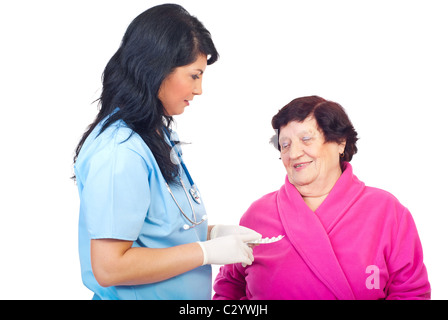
(343, 240)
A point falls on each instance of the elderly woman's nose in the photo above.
(296, 150)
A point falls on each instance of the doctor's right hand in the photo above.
(229, 249)
(221, 230)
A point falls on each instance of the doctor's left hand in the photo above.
(222, 230)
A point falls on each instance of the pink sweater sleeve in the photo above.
(408, 278)
(230, 284)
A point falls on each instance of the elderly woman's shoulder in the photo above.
(262, 213)
(267, 199)
(381, 198)
(266, 203)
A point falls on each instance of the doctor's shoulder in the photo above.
(117, 138)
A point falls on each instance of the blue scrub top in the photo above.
(123, 195)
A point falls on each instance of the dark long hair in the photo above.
(156, 42)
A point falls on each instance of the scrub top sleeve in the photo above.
(116, 194)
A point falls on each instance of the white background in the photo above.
(384, 61)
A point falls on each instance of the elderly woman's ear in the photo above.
(274, 140)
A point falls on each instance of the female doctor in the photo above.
(143, 230)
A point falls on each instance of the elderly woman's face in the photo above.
(311, 163)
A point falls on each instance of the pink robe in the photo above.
(361, 243)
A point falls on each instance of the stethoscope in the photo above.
(194, 192)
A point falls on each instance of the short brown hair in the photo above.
(330, 116)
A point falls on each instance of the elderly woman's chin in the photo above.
(301, 179)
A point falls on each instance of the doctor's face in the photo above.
(311, 163)
(181, 85)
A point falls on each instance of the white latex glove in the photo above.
(229, 249)
(221, 230)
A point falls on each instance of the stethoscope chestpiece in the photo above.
(187, 227)
(195, 194)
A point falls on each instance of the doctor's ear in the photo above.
(342, 147)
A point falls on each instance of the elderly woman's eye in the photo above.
(306, 139)
(285, 145)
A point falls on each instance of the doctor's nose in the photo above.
(197, 90)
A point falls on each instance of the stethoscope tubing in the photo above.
(187, 173)
(194, 193)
